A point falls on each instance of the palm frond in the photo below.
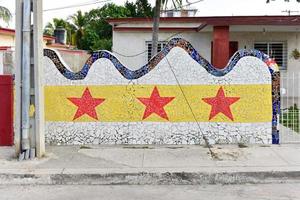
(5, 14)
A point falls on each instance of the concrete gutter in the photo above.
(127, 165)
(146, 178)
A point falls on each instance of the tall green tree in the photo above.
(132, 9)
(5, 14)
(60, 23)
(98, 32)
(140, 8)
(91, 30)
(144, 8)
(79, 21)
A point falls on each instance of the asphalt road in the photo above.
(137, 192)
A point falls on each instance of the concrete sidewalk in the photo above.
(154, 165)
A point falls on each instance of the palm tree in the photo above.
(79, 21)
(5, 14)
(60, 23)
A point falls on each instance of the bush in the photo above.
(290, 118)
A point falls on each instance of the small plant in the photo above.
(290, 118)
(296, 54)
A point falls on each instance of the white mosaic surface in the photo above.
(249, 70)
(156, 133)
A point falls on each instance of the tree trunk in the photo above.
(155, 27)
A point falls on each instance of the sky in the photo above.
(205, 8)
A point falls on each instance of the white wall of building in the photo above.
(247, 40)
(133, 43)
(291, 76)
(128, 43)
(7, 40)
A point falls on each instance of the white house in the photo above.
(212, 37)
(216, 39)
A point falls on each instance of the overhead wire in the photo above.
(165, 40)
(135, 55)
(77, 5)
(145, 51)
(213, 154)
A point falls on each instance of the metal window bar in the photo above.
(290, 102)
(276, 50)
(160, 46)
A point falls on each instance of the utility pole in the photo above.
(155, 27)
(29, 130)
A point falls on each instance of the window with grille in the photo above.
(160, 46)
(276, 51)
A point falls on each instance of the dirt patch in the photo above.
(228, 153)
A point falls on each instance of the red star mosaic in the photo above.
(86, 104)
(155, 104)
(221, 104)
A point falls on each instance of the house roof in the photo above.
(8, 31)
(4, 48)
(219, 20)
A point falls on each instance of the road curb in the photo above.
(146, 178)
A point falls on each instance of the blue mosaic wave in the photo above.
(135, 74)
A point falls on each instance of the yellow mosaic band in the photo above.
(159, 103)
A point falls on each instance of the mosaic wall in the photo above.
(176, 98)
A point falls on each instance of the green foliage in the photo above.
(141, 8)
(295, 54)
(49, 29)
(5, 14)
(78, 20)
(97, 18)
(102, 44)
(290, 118)
(60, 23)
(144, 9)
(90, 30)
(91, 41)
(131, 7)
(88, 40)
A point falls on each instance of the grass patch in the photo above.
(290, 118)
